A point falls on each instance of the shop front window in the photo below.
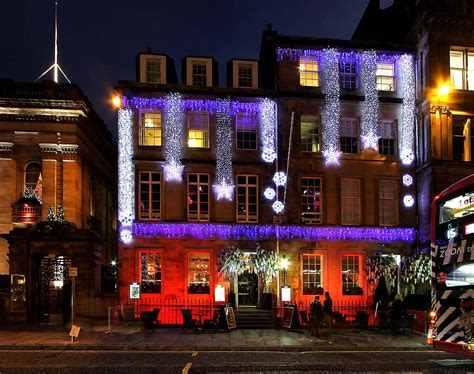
(351, 275)
(198, 273)
(150, 272)
(312, 275)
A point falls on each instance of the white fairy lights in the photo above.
(370, 109)
(277, 207)
(269, 193)
(279, 178)
(331, 114)
(407, 140)
(173, 133)
(268, 113)
(126, 168)
(223, 186)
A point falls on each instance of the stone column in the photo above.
(8, 191)
(72, 184)
(50, 177)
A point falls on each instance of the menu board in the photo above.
(287, 317)
(230, 317)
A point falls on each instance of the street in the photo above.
(227, 362)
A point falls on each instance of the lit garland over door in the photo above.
(331, 114)
(223, 186)
(370, 108)
(173, 135)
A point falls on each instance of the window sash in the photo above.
(244, 76)
(350, 272)
(388, 202)
(150, 272)
(348, 74)
(311, 199)
(349, 135)
(199, 273)
(247, 198)
(150, 129)
(309, 71)
(198, 197)
(350, 202)
(199, 74)
(310, 134)
(198, 129)
(462, 69)
(388, 136)
(153, 72)
(149, 196)
(246, 131)
(312, 274)
(385, 76)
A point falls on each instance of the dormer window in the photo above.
(198, 71)
(199, 74)
(152, 69)
(244, 74)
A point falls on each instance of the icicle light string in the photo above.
(173, 134)
(370, 108)
(268, 121)
(407, 143)
(126, 168)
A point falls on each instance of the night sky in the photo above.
(99, 39)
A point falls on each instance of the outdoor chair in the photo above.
(339, 318)
(188, 321)
(128, 315)
(212, 323)
(149, 319)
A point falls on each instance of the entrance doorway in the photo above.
(55, 290)
(248, 288)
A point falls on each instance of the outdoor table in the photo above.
(200, 317)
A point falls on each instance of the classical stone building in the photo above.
(57, 202)
(440, 33)
(308, 151)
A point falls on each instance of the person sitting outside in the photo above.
(316, 316)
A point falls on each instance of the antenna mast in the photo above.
(55, 66)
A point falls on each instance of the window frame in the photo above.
(245, 133)
(467, 72)
(205, 139)
(317, 217)
(206, 289)
(467, 137)
(142, 128)
(356, 276)
(382, 201)
(33, 186)
(249, 79)
(202, 76)
(314, 75)
(141, 270)
(354, 199)
(313, 289)
(354, 139)
(343, 74)
(380, 78)
(247, 218)
(381, 146)
(149, 183)
(198, 216)
(308, 119)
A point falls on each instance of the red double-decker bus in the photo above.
(452, 296)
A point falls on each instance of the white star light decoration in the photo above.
(269, 193)
(407, 180)
(279, 178)
(224, 191)
(173, 171)
(277, 207)
(370, 141)
(332, 156)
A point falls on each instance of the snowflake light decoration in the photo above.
(407, 180)
(408, 201)
(269, 193)
(126, 236)
(268, 155)
(407, 156)
(279, 178)
(277, 207)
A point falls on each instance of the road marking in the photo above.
(187, 367)
(195, 354)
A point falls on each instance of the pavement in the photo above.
(56, 337)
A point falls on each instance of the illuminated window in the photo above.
(349, 135)
(245, 75)
(351, 275)
(348, 74)
(311, 200)
(34, 181)
(199, 74)
(247, 198)
(309, 71)
(310, 134)
(246, 131)
(198, 273)
(150, 272)
(150, 129)
(388, 202)
(150, 195)
(462, 69)
(312, 275)
(388, 138)
(385, 76)
(463, 138)
(198, 129)
(198, 197)
(350, 202)
(153, 71)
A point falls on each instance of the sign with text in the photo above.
(134, 291)
(287, 318)
(230, 317)
(73, 271)
(75, 331)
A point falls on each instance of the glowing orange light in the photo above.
(444, 89)
(117, 101)
(437, 197)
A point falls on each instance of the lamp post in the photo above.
(284, 265)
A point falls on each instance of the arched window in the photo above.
(33, 181)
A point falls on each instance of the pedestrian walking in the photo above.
(316, 316)
(327, 311)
